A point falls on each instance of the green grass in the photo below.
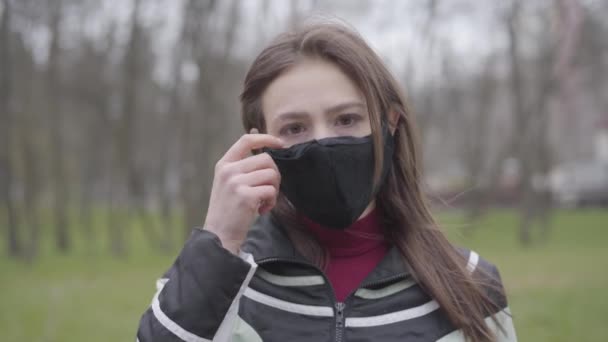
(557, 290)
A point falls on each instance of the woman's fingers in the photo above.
(249, 164)
(248, 142)
(242, 185)
(256, 184)
(266, 196)
(259, 177)
(229, 172)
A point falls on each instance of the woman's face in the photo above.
(314, 100)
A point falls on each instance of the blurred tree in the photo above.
(54, 95)
(14, 246)
(476, 135)
(208, 127)
(195, 33)
(30, 144)
(91, 89)
(125, 139)
(428, 110)
(530, 103)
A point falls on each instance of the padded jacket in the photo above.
(271, 293)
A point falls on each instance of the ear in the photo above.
(393, 118)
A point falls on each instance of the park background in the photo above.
(114, 112)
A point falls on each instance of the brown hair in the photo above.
(438, 267)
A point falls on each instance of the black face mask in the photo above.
(330, 180)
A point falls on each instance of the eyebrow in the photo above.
(346, 105)
(334, 109)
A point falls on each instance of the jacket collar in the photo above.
(267, 240)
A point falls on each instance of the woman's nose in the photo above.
(321, 132)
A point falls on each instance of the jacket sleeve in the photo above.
(500, 322)
(504, 330)
(197, 300)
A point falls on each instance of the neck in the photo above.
(363, 235)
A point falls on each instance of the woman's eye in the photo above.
(292, 129)
(347, 120)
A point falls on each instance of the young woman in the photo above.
(344, 247)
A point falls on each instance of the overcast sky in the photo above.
(468, 29)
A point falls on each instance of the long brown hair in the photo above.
(438, 267)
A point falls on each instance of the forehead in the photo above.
(312, 85)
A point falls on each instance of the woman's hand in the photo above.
(243, 185)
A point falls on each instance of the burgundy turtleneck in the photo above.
(354, 252)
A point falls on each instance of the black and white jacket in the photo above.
(270, 293)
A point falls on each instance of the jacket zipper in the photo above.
(339, 306)
(339, 321)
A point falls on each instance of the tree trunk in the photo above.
(476, 155)
(14, 246)
(54, 93)
(31, 157)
